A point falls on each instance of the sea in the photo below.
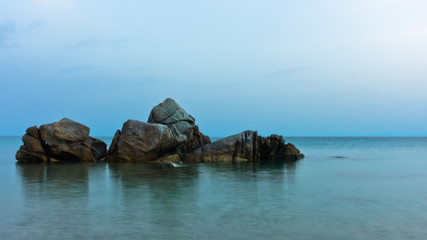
(344, 188)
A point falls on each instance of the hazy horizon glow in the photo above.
(312, 68)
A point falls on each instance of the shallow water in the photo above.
(345, 188)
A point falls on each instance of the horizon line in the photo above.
(287, 136)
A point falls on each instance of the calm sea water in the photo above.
(345, 188)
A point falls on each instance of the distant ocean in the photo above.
(345, 188)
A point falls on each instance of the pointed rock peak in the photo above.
(168, 101)
(169, 112)
(65, 120)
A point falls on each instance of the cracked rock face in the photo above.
(182, 125)
(65, 140)
(169, 133)
(32, 150)
(171, 136)
(246, 146)
(141, 142)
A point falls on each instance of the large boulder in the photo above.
(141, 142)
(182, 125)
(246, 146)
(65, 140)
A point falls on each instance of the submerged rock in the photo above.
(247, 147)
(65, 140)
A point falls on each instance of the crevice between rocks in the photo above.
(44, 145)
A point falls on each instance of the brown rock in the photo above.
(174, 158)
(32, 150)
(33, 132)
(235, 148)
(141, 142)
(245, 146)
(274, 148)
(65, 140)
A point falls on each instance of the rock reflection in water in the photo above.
(269, 170)
(134, 200)
(56, 199)
(158, 199)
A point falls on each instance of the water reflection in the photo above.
(90, 200)
(54, 195)
(157, 198)
(277, 171)
(55, 179)
(319, 197)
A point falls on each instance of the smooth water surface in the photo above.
(345, 188)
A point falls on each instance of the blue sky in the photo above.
(297, 68)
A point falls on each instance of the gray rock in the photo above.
(235, 148)
(65, 140)
(246, 146)
(141, 142)
(182, 125)
(169, 112)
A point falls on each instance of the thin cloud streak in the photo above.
(94, 42)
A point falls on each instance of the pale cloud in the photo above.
(94, 42)
(10, 30)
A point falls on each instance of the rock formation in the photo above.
(183, 126)
(65, 140)
(170, 136)
(247, 147)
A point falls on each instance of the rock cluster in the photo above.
(65, 140)
(169, 136)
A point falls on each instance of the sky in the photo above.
(295, 68)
